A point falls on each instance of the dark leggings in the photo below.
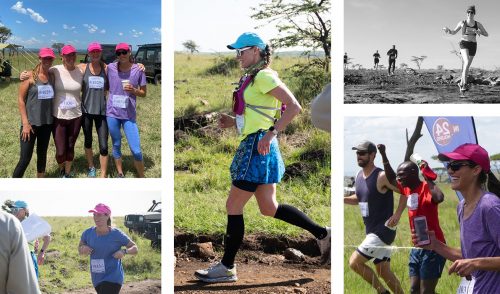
(392, 63)
(42, 137)
(101, 127)
(65, 134)
(108, 288)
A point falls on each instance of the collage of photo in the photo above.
(274, 167)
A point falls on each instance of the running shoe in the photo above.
(217, 273)
(67, 176)
(62, 173)
(325, 245)
(120, 176)
(91, 173)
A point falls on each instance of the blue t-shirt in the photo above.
(103, 266)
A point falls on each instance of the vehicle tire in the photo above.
(157, 79)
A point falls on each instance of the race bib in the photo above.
(363, 207)
(466, 287)
(68, 103)
(45, 92)
(120, 101)
(97, 266)
(412, 201)
(96, 82)
(240, 123)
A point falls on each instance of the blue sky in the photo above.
(40, 23)
(415, 27)
(391, 132)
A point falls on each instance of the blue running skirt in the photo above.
(249, 165)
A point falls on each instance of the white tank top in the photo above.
(67, 92)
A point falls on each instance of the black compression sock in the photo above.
(296, 217)
(234, 237)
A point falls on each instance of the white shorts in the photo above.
(373, 247)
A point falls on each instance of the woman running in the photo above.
(35, 106)
(104, 244)
(478, 259)
(257, 165)
(126, 82)
(67, 109)
(95, 85)
(468, 45)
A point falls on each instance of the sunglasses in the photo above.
(121, 52)
(472, 12)
(457, 165)
(361, 153)
(239, 52)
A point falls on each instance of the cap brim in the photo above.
(452, 156)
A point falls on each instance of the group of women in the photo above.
(61, 99)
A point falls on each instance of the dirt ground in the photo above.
(261, 267)
(141, 287)
(364, 86)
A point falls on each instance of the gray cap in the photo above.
(366, 146)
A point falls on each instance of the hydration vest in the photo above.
(239, 104)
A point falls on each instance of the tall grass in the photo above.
(202, 178)
(148, 120)
(65, 270)
(354, 233)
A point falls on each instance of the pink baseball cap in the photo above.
(122, 46)
(101, 208)
(46, 52)
(472, 152)
(94, 47)
(68, 49)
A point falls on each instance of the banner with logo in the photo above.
(449, 132)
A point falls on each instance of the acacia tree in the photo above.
(418, 60)
(191, 46)
(5, 33)
(302, 23)
(58, 47)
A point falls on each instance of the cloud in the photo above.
(103, 31)
(1, 24)
(18, 21)
(20, 41)
(120, 34)
(18, 7)
(54, 34)
(69, 28)
(136, 34)
(156, 30)
(91, 27)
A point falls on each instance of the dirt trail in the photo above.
(141, 287)
(256, 277)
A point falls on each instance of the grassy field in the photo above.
(65, 270)
(354, 233)
(148, 120)
(202, 178)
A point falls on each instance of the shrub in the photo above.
(223, 66)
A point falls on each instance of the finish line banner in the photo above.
(449, 132)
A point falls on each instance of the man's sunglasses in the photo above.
(121, 52)
(239, 52)
(457, 165)
(361, 153)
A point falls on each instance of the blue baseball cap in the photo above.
(248, 40)
(20, 204)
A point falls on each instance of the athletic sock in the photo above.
(234, 237)
(292, 215)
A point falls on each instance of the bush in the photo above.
(223, 66)
(307, 80)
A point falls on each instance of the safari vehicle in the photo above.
(138, 222)
(152, 232)
(108, 54)
(150, 56)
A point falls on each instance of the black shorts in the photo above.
(472, 46)
(375, 60)
(246, 185)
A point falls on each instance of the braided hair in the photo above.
(265, 56)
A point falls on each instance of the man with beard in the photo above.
(375, 199)
(422, 199)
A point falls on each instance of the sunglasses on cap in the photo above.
(121, 52)
(457, 165)
(239, 52)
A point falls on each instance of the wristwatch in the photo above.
(273, 130)
(124, 251)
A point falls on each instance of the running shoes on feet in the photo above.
(217, 273)
(325, 245)
(120, 176)
(91, 172)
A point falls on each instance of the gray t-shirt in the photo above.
(94, 87)
(17, 274)
(39, 103)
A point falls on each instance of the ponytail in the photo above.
(35, 71)
(493, 183)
